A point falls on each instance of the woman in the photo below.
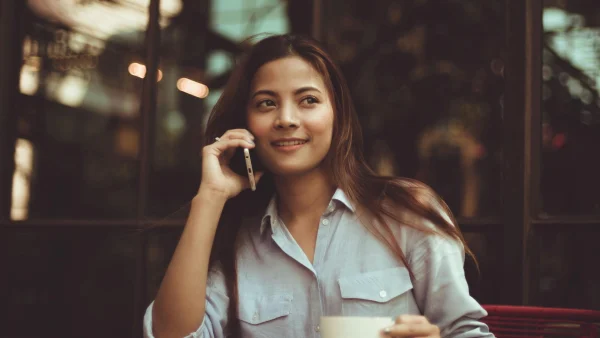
(335, 238)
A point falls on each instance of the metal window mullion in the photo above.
(148, 106)
(533, 104)
(147, 139)
(513, 141)
(533, 146)
(10, 65)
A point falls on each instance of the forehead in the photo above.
(288, 73)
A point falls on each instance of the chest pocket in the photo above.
(260, 314)
(377, 293)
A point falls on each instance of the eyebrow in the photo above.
(296, 92)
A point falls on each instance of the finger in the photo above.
(232, 144)
(237, 133)
(220, 147)
(411, 319)
(411, 330)
(233, 135)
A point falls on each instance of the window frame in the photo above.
(520, 214)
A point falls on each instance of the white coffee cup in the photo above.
(354, 327)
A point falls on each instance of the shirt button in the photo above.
(318, 328)
(382, 293)
(255, 317)
(325, 221)
(331, 207)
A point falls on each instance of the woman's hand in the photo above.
(217, 177)
(413, 327)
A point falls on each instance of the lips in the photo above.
(289, 143)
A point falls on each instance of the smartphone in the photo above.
(249, 169)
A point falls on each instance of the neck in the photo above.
(301, 197)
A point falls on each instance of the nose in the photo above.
(287, 118)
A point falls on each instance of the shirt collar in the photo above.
(271, 216)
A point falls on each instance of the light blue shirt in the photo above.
(283, 294)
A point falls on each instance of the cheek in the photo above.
(258, 126)
(321, 124)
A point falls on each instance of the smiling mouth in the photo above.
(289, 143)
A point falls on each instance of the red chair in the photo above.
(539, 322)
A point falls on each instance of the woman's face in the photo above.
(290, 114)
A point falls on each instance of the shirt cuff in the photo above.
(148, 325)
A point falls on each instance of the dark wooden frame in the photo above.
(520, 218)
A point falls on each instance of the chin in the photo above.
(292, 169)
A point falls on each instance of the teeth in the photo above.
(289, 143)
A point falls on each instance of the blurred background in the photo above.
(493, 103)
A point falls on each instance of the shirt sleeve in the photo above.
(441, 289)
(215, 317)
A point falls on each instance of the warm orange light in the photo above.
(192, 87)
(21, 187)
(139, 70)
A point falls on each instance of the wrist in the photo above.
(212, 194)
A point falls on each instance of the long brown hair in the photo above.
(386, 198)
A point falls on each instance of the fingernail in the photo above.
(250, 141)
(387, 330)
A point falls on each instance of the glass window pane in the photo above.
(162, 242)
(79, 109)
(69, 283)
(484, 284)
(563, 274)
(198, 51)
(427, 80)
(570, 178)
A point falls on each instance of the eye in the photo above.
(310, 100)
(265, 103)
